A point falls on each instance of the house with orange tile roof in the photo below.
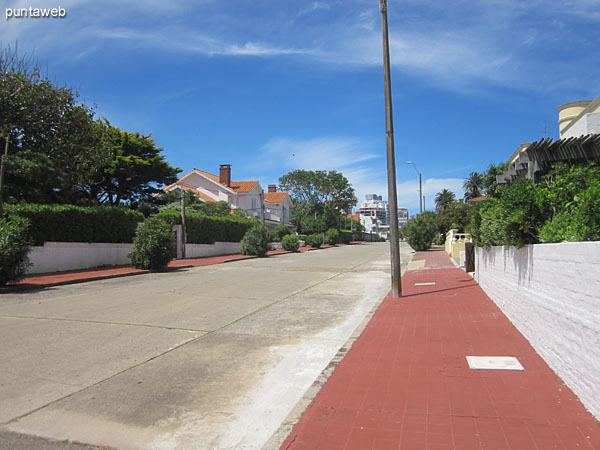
(272, 207)
(277, 205)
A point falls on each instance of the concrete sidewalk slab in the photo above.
(406, 384)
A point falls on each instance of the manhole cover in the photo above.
(494, 363)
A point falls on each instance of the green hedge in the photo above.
(345, 236)
(67, 223)
(208, 230)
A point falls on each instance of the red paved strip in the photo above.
(405, 383)
(72, 275)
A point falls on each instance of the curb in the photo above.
(27, 287)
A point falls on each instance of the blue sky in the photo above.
(273, 86)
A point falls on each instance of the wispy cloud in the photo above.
(329, 153)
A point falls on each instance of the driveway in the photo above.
(211, 357)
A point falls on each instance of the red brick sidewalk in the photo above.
(406, 384)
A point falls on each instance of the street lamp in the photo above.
(420, 185)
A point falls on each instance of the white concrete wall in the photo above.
(551, 293)
(216, 249)
(59, 256)
(588, 124)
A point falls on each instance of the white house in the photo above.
(277, 206)
(246, 195)
(273, 207)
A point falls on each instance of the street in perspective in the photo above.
(212, 357)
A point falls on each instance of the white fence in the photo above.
(61, 256)
(551, 293)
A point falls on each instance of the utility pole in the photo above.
(183, 236)
(421, 193)
(391, 158)
(2, 168)
(424, 207)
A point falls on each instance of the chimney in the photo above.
(225, 174)
(272, 188)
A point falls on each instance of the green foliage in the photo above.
(255, 240)
(439, 239)
(421, 230)
(240, 213)
(513, 219)
(135, 169)
(54, 142)
(153, 245)
(454, 215)
(473, 185)
(492, 189)
(332, 236)
(290, 242)
(14, 248)
(67, 223)
(345, 236)
(311, 225)
(317, 194)
(208, 230)
(273, 237)
(444, 198)
(314, 240)
(571, 194)
(281, 231)
(353, 225)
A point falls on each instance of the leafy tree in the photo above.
(54, 142)
(421, 230)
(317, 194)
(136, 170)
(454, 215)
(444, 198)
(492, 188)
(473, 185)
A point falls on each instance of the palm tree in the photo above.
(444, 198)
(473, 185)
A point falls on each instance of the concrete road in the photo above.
(213, 357)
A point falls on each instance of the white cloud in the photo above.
(323, 153)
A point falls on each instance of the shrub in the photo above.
(15, 244)
(67, 223)
(208, 230)
(314, 240)
(153, 245)
(332, 236)
(310, 225)
(255, 240)
(291, 243)
(345, 236)
(273, 237)
(421, 230)
(282, 230)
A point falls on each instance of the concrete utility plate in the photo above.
(425, 284)
(494, 363)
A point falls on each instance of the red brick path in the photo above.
(405, 383)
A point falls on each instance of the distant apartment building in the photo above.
(374, 215)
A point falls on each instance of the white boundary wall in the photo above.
(60, 256)
(216, 249)
(551, 293)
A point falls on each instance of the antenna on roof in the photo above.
(545, 130)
